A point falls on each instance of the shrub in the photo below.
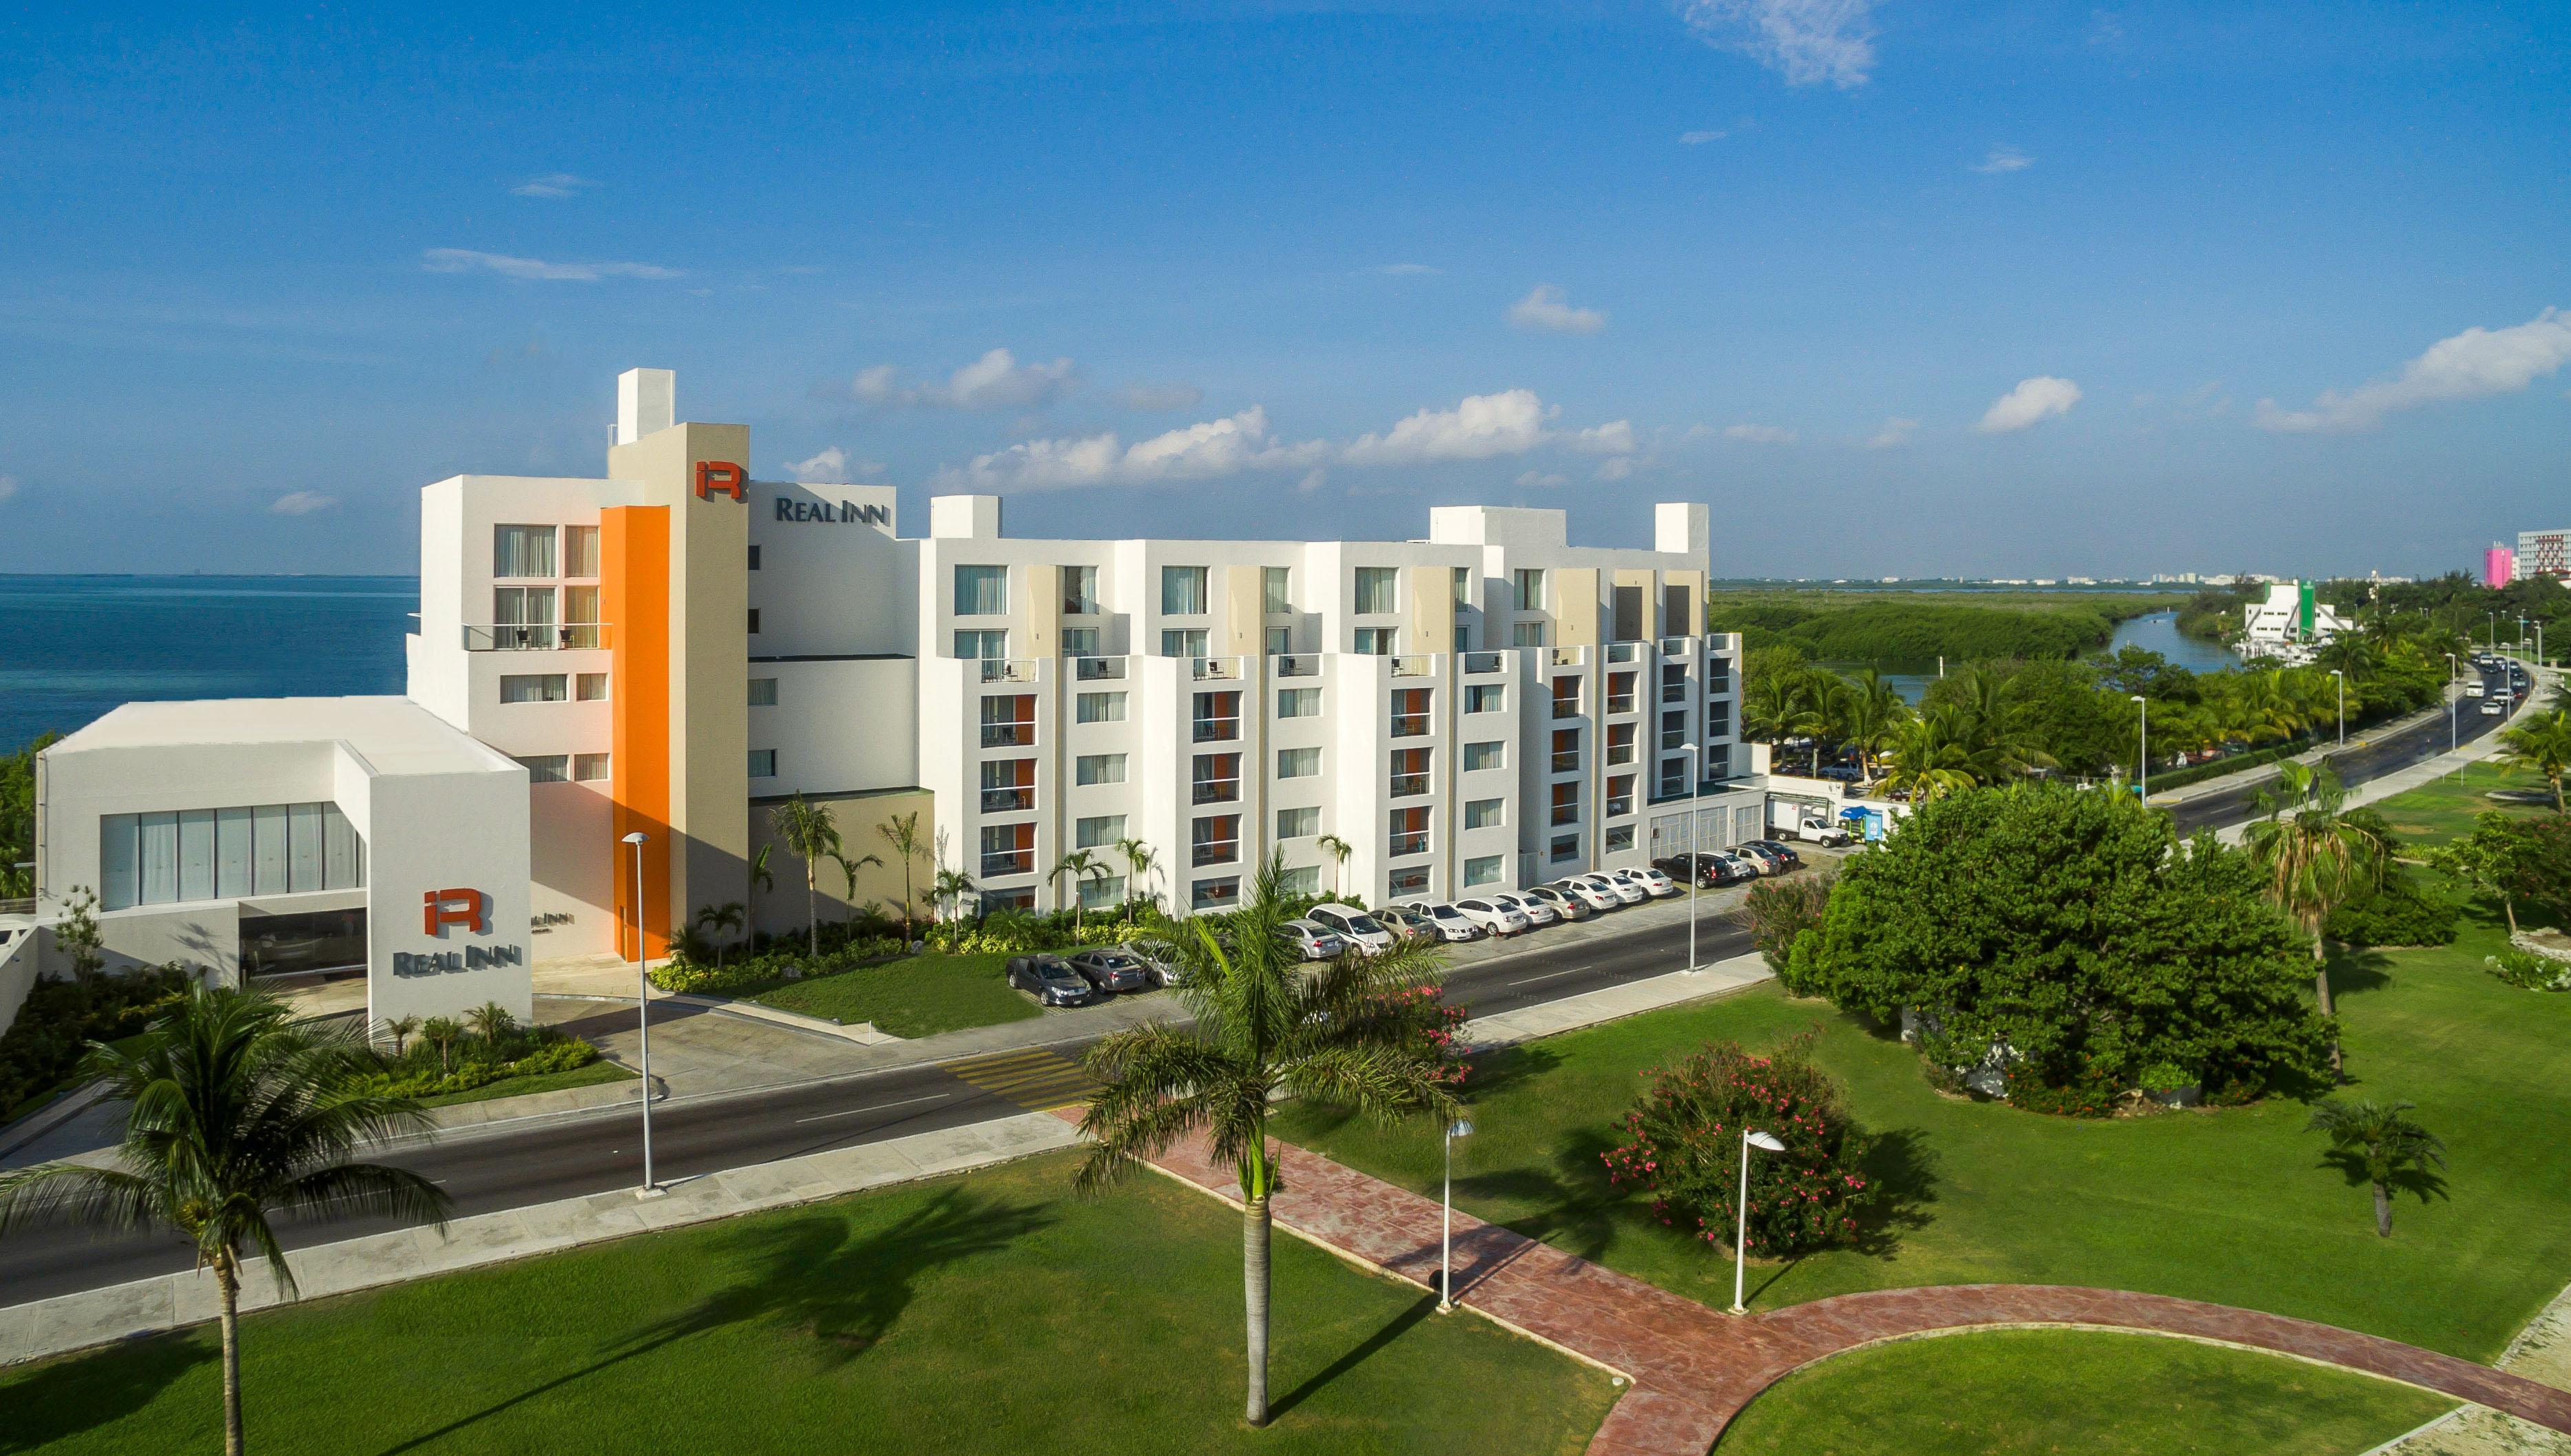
(2084, 1092)
(1774, 912)
(2528, 971)
(683, 974)
(1683, 1143)
(479, 1061)
(59, 1019)
(2397, 912)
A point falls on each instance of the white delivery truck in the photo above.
(1813, 824)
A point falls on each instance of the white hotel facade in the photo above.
(674, 648)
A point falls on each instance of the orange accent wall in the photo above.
(634, 600)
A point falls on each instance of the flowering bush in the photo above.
(1683, 1145)
(1430, 1025)
(2086, 1093)
(2528, 971)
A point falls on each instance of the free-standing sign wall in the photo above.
(446, 894)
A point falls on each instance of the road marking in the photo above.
(1549, 975)
(1033, 1078)
(876, 1108)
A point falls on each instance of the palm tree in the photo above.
(1926, 760)
(1338, 849)
(1872, 714)
(717, 919)
(1265, 1026)
(760, 879)
(807, 829)
(2316, 857)
(2542, 743)
(901, 833)
(1139, 860)
(2378, 1141)
(849, 870)
(400, 1028)
(442, 1032)
(235, 1114)
(490, 1021)
(950, 888)
(1078, 865)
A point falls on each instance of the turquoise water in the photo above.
(72, 647)
(2156, 633)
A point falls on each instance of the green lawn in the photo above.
(994, 1312)
(2024, 1392)
(914, 997)
(2439, 810)
(589, 1076)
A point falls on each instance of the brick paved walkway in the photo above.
(1694, 1368)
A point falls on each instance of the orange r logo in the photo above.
(721, 477)
(468, 909)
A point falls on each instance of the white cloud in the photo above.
(1312, 480)
(1617, 468)
(2003, 158)
(1894, 434)
(833, 466)
(1698, 138)
(2032, 400)
(1483, 425)
(553, 185)
(1759, 434)
(2476, 362)
(1544, 479)
(8, 486)
(1614, 439)
(1409, 270)
(994, 381)
(1160, 396)
(300, 503)
(1204, 451)
(1544, 308)
(465, 260)
(1806, 41)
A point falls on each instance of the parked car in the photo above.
(1492, 917)
(1596, 897)
(1050, 980)
(1451, 923)
(1625, 894)
(1536, 911)
(1562, 902)
(1706, 868)
(1407, 924)
(1741, 868)
(1766, 862)
(1354, 926)
(1782, 850)
(1312, 939)
(1160, 958)
(1654, 883)
(1110, 969)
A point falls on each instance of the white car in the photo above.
(2492, 709)
(1653, 880)
(1625, 894)
(2473, 690)
(1536, 911)
(1598, 901)
(1451, 923)
(1354, 926)
(1742, 865)
(1496, 919)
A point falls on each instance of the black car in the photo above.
(1711, 871)
(1050, 980)
(1778, 848)
(1111, 969)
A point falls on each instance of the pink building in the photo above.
(2499, 566)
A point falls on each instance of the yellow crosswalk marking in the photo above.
(1035, 1079)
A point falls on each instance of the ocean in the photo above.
(74, 647)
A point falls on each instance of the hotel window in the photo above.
(1272, 596)
(589, 686)
(1620, 795)
(1217, 718)
(1566, 805)
(1098, 832)
(522, 550)
(1672, 778)
(1620, 836)
(1409, 772)
(1080, 590)
(1009, 720)
(1300, 823)
(1301, 881)
(988, 646)
(589, 768)
(1526, 634)
(1183, 592)
(1214, 894)
(1098, 769)
(1280, 641)
(763, 691)
(762, 762)
(533, 688)
(1620, 692)
(1566, 697)
(1298, 703)
(580, 551)
(1410, 712)
(1485, 814)
(753, 622)
(1675, 613)
(1297, 762)
(1377, 642)
(1008, 901)
(753, 557)
(1485, 755)
(1718, 720)
(1482, 870)
(1182, 641)
(522, 618)
(1674, 728)
(1080, 641)
(1008, 849)
(579, 617)
(1217, 779)
(1620, 743)
(1527, 590)
(1008, 786)
(1102, 892)
(547, 767)
(207, 854)
(1214, 839)
(1486, 698)
(1409, 832)
(1376, 590)
(1413, 881)
(1566, 846)
(1566, 750)
(1464, 585)
(1097, 707)
(1674, 682)
(981, 591)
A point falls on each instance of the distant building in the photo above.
(2543, 554)
(2287, 623)
(2499, 566)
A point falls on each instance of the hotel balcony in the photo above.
(520, 637)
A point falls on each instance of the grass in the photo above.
(589, 1076)
(2445, 808)
(2023, 1392)
(993, 1312)
(914, 997)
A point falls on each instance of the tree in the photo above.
(2315, 857)
(2490, 860)
(807, 829)
(1871, 713)
(1774, 912)
(761, 880)
(2378, 1143)
(491, 1021)
(400, 1029)
(236, 1115)
(714, 920)
(1683, 1143)
(18, 817)
(1139, 860)
(950, 888)
(849, 871)
(901, 833)
(2542, 743)
(1078, 865)
(76, 934)
(1338, 849)
(1344, 1033)
(1926, 760)
(442, 1032)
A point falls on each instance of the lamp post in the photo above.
(2342, 706)
(1696, 832)
(2143, 752)
(1460, 1128)
(643, 1010)
(1740, 1231)
(2454, 700)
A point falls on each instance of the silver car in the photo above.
(1110, 969)
(1536, 911)
(1160, 960)
(1562, 902)
(1311, 939)
(1354, 926)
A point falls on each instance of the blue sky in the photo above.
(1903, 288)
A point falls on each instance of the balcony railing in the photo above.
(1569, 657)
(1619, 702)
(1483, 664)
(1624, 651)
(1414, 665)
(1215, 851)
(1409, 725)
(1566, 814)
(1672, 739)
(1008, 670)
(1674, 646)
(1207, 670)
(1217, 790)
(1098, 669)
(1301, 665)
(1567, 763)
(1217, 729)
(1410, 786)
(1566, 708)
(1618, 807)
(1620, 753)
(1008, 735)
(1007, 800)
(515, 637)
(1674, 692)
(1011, 861)
(1413, 841)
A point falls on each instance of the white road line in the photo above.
(1549, 975)
(877, 1108)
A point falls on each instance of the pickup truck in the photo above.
(1813, 829)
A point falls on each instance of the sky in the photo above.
(1899, 286)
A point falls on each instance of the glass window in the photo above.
(232, 853)
(580, 551)
(1485, 814)
(1214, 894)
(1297, 762)
(1414, 881)
(1409, 832)
(556, 768)
(762, 762)
(1463, 586)
(1214, 839)
(1098, 769)
(268, 849)
(159, 858)
(1620, 837)
(1620, 794)
(1182, 641)
(1272, 594)
(579, 617)
(1526, 634)
(1527, 589)
(753, 557)
(1375, 589)
(1482, 870)
(1566, 846)
(763, 691)
(522, 550)
(753, 622)
(1097, 707)
(343, 854)
(533, 688)
(1080, 590)
(203, 854)
(989, 647)
(981, 591)
(1375, 641)
(589, 686)
(1306, 881)
(1183, 591)
(1080, 641)
(523, 607)
(1097, 831)
(1281, 641)
(1485, 696)
(116, 882)
(587, 767)
(1485, 755)
(1300, 823)
(1298, 703)
(1102, 892)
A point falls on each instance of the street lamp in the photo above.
(643, 1011)
(2455, 669)
(1460, 1128)
(2143, 753)
(2342, 706)
(1696, 832)
(1741, 1229)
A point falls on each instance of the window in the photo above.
(1620, 743)
(1097, 831)
(762, 762)
(1485, 814)
(1410, 712)
(1024, 900)
(1298, 703)
(1008, 786)
(1718, 721)
(1214, 839)
(1527, 590)
(1187, 642)
(1485, 755)
(1409, 772)
(1080, 590)
(1566, 697)
(1486, 698)
(522, 550)
(1409, 832)
(1008, 849)
(1217, 779)
(1526, 634)
(1620, 692)
(589, 686)
(1098, 769)
(579, 617)
(1097, 707)
(589, 768)
(1674, 682)
(1080, 641)
(1214, 894)
(1306, 881)
(981, 591)
(548, 767)
(763, 691)
(754, 556)
(1272, 596)
(1620, 794)
(1566, 750)
(1280, 641)
(1464, 585)
(1672, 778)
(205, 854)
(1183, 592)
(1566, 846)
(1620, 836)
(753, 622)
(1102, 892)
(1376, 590)
(532, 687)
(1566, 804)
(1482, 870)
(1217, 718)
(1676, 618)
(989, 647)
(1008, 720)
(1411, 882)
(580, 551)
(1297, 762)
(522, 618)
(1377, 642)
(1300, 823)
(1674, 728)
